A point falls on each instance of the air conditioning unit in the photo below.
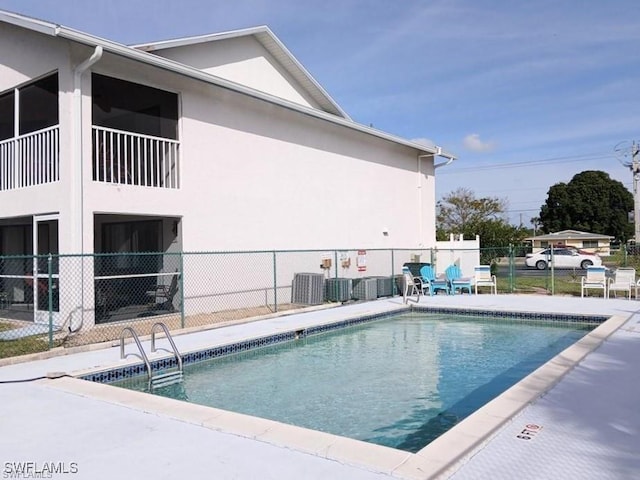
(338, 289)
(385, 286)
(308, 289)
(365, 288)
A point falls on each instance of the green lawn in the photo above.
(22, 346)
(565, 285)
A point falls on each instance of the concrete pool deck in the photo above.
(586, 425)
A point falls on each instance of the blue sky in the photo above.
(526, 94)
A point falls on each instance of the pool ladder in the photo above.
(160, 379)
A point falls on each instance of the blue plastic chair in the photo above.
(430, 281)
(456, 280)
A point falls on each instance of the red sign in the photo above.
(361, 260)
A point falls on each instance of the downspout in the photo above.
(77, 167)
(438, 152)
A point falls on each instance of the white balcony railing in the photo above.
(30, 159)
(134, 159)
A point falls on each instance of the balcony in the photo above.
(128, 158)
(30, 159)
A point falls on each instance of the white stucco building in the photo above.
(217, 142)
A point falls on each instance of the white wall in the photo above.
(242, 60)
(258, 176)
(255, 176)
(464, 253)
(24, 56)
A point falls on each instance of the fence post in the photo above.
(50, 297)
(393, 278)
(275, 283)
(181, 282)
(553, 283)
(511, 268)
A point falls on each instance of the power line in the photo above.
(531, 163)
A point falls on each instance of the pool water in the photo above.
(399, 382)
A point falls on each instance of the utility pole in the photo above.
(622, 151)
(635, 169)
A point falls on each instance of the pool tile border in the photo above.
(122, 373)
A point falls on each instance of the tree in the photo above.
(592, 202)
(460, 209)
(461, 212)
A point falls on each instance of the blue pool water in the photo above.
(399, 382)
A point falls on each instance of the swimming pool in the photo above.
(399, 382)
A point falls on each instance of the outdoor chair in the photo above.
(412, 285)
(432, 282)
(453, 273)
(484, 278)
(596, 278)
(624, 280)
(5, 300)
(164, 293)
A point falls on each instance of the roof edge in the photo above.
(251, 31)
(195, 39)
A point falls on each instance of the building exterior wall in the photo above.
(27, 56)
(254, 175)
(259, 176)
(242, 60)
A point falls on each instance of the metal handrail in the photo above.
(169, 337)
(142, 356)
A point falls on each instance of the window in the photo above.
(38, 104)
(590, 244)
(128, 238)
(37, 107)
(133, 107)
(7, 116)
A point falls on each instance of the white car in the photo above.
(562, 258)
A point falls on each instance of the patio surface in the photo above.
(587, 426)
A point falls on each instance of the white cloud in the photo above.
(475, 144)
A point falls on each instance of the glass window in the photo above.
(128, 238)
(7, 115)
(589, 244)
(133, 107)
(38, 104)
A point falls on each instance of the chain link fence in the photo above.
(71, 300)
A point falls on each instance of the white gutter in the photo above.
(77, 167)
(443, 164)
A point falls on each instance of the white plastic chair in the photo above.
(596, 278)
(624, 280)
(483, 278)
(411, 285)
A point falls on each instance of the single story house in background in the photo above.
(211, 143)
(590, 242)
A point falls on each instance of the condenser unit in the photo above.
(365, 288)
(385, 286)
(338, 289)
(308, 288)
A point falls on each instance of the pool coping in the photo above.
(438, 459)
